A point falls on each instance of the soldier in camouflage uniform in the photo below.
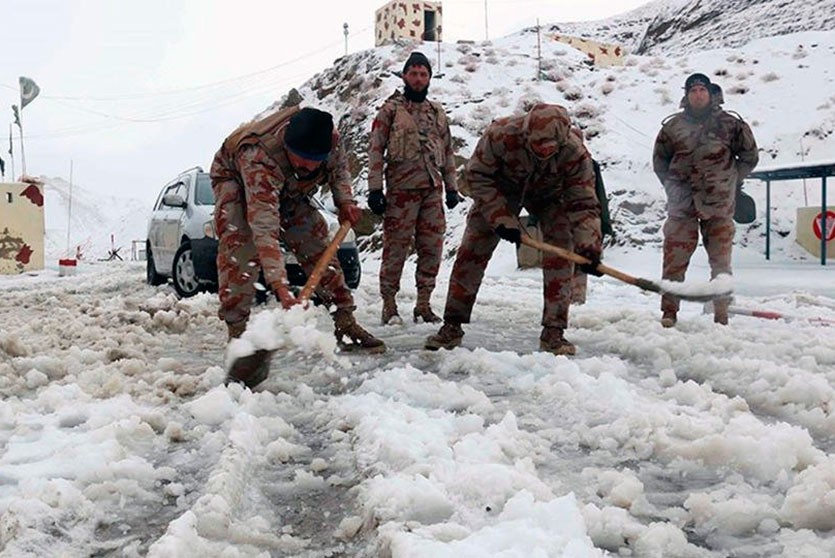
(411, 142)
(262, 178)
(538, 162)
(700, 155)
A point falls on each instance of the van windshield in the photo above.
(204, 195)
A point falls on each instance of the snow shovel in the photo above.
(696, 295)
(252, 369)
(769, 315)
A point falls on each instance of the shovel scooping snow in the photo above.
(248, 358)
(721, 287)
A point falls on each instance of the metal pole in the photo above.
(438, 39)
(11, 152)
(22, 152)
(823, 220)
(69, 212)
(538, 52)
(768, 219)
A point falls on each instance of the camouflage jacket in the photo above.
(504, 170)
(258, 163)
(701, 160)
(414, 142)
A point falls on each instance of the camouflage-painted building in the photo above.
(600, 54)
(400, 19)
(21, 227)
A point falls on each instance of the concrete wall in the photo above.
(406, 20)
(21, 227)
(806, 236)
(602, 54)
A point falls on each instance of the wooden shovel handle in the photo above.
(324, 261)
(578, 259)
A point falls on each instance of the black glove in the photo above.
(377, 202)
(511, 234)
(453, 199)
(594, 261)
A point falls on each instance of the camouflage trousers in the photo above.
(412, 216)
(681, 236)
(477, 247)
(304, 232)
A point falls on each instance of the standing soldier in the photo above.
(700, 156)
(262, 178)
(410, 137)
(538, 162)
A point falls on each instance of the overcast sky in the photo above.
(134, 92)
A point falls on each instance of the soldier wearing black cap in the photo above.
(411, 145)
(262, 178)
(700, 156)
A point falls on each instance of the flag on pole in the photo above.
(28, 91)
(16, 116)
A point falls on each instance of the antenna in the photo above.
(345, 32)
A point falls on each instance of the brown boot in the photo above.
(448, 337)
(423, 309)
(552, 341)
(390, 315)
(360, 340)
(235, 329)
(668, 319)
(248, 370)
(720, 314)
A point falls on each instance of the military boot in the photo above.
(552, 341)
(423, 309)
(249, 370)
(448, 337)
(668, 319)
(390, 315)
(345, 325)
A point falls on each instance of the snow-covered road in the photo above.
(118, 439)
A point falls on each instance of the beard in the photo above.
(414, 96)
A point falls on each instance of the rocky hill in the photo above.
(679, 27)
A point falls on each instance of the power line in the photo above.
(170, 105)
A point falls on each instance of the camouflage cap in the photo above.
(547, 126)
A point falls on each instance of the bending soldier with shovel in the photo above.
(538, 162)
(262, 178)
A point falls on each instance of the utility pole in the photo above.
(486, 35)
(345, 32)
(538, 52)
(438, 39)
